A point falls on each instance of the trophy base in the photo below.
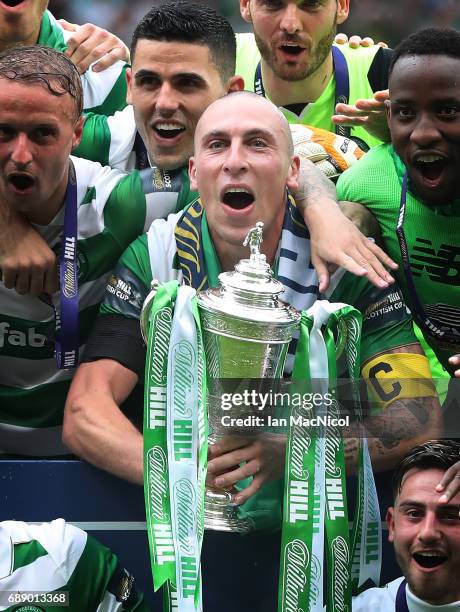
(220, 514)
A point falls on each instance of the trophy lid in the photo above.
(250, 291)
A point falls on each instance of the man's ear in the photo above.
(77, 132)
(236, 83)
(245, 10)
(292, 181)
(343, 8)
(192, 174)
(390, 523)
(129, 79)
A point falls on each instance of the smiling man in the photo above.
(426, 536)
(412, 186)
(242, 166)
(183, 58)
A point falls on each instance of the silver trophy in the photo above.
(246, 332)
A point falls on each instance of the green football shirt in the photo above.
(103, 92)
(432, 239)
(56, 561)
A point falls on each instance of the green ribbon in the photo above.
(297, 529)
(175, 436)
(156, 474)
(315, 463)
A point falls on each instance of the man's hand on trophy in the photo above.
(235, 458)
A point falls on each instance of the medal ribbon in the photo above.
(401, 599)
(65, 305)
(427, 323)
(342, 85)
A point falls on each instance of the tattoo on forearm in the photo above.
(313, 185)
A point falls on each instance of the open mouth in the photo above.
(168, 130)
(12, 3)
(431, 167)
(21, 182)
(429, 560)
(238, 198)
(294, 50)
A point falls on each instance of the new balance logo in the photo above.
(14, 337)
(442, 266)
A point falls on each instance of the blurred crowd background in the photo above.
(387, 20)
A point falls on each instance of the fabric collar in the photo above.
(417, 605)
(50, 36)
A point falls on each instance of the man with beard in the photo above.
(177, 69)
(412, 187)
(291, 60)
(425, 533)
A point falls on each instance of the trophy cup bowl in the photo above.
(246, 333)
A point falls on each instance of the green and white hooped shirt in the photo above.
(103, 92)
(58, 561)
(113, 210)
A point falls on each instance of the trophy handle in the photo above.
(144, 319)
(221, 514)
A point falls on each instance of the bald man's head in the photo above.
(239, 102)
(242, 165)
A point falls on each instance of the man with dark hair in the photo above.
(291, 60)
(86, 213)
(183, 58)
(425, 532)
(412, 186)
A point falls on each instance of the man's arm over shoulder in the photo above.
(334, 239)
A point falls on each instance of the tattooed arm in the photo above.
(335, 240)
(402, 422)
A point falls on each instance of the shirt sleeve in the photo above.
(102, 583)
(96, 138)
(105, 92)
(387, 322)
(116, 334)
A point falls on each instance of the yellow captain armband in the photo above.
(396, 376)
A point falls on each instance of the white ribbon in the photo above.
(182, 419)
